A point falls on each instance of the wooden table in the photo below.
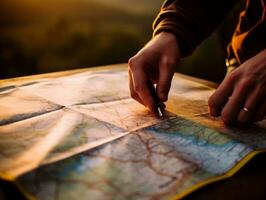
(249, 183)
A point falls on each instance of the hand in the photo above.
(154, 63)
(241, 97)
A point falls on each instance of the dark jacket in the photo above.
(194, 20)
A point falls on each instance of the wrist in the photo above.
(169, 39)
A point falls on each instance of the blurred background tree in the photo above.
(43, 36)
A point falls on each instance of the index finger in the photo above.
(140, 82)
(220, 96)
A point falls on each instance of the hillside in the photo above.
(41, 36)
(31, 11)
(134, 6)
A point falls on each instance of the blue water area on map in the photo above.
(213, 157)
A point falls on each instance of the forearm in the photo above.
(191, 21)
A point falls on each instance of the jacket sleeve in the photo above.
(191, 21)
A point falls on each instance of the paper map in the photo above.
(83, 136)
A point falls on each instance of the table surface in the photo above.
(248, 183)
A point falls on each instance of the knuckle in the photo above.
(233, 75)
(133, 62)
(168, 62)
(247, 80)
(246, 83)
(226, 117)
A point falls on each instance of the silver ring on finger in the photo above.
(245, 109)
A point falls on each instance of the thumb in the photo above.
(166, 72)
